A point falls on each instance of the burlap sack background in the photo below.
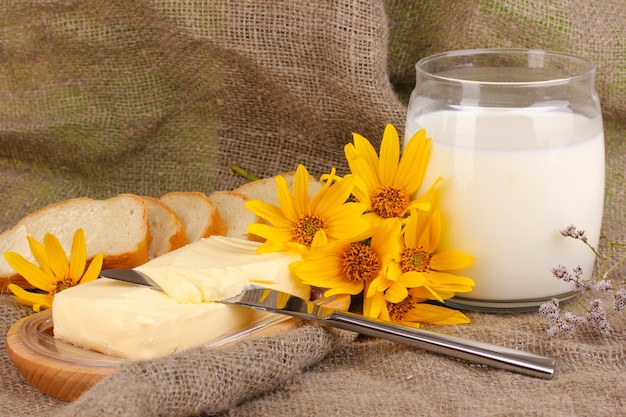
(154, 96)
(98, 98)
(594, 30)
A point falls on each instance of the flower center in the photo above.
(360, 263)
(415, 259)
(390, 202)
(62, 284)
(305, 229)
(398, 311)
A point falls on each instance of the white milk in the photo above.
(511, 183)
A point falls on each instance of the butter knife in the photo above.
(274, 301)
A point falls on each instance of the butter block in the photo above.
(136, 322)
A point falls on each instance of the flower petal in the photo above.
(332, 196)
(361, 192)
(362, 148)
(40, 255)
(56, 256)
(386, 240)
(319, 240)
(413, 279)
(31, 273)
(389, 156)
(441, 281)
(78, 256)
(413, 163)
(434, 231)
(285, 200)
(274, 246)
(268, 212)
(396, 293)
(28, 298)
(450, 260)
(425, 201)
(320, 273)
(374, 305)
(348, 223)
(428, 313)
(378, 285)
(369, 178)
(93, 271)
(415, 229)
(426, 292)
(301, 191)
(346, 288)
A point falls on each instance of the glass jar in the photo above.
(517, 136)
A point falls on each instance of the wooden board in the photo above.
(59, 379)
(66, 379)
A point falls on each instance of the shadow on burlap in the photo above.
(148, 97)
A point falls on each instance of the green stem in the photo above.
(240, 171)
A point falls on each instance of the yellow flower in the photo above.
(301, 219)
(416, 276)
(345, 267)
(385, 185)
(391, 286)
(419, 257)
(412, 311)
(54, 273)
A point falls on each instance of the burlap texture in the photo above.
(147, 97)
(593, 29)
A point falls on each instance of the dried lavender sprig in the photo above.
(619, 300)
(603, 271)
(566, 323)
(580, 284)
(560, 323)
(572, 232)
(597, 317)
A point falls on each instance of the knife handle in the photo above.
(474, 351)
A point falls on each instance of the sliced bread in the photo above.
(231, 207)
(117, 227)
(199, 215)
(167, 231)
(265, 189)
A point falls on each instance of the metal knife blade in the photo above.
(274, 301)
(131, 276)
(514, 360)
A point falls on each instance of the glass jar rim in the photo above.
(588, 68)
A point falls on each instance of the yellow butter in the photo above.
(136, 322)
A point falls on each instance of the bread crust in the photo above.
(61, 217)
(214, 224)
(233, 216)
(170, 224)
(218, 226)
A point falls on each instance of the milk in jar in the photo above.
(513, 179)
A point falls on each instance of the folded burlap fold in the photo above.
(207, 380)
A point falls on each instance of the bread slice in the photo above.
(167, 231)
(265, 189)
(117, 227)
(199, 215)
(231, 207)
